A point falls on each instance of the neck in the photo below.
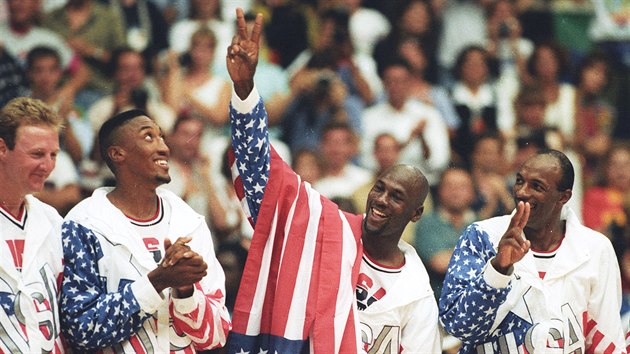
(548, 237)
(385, 253)
(134, 201)
(12, 204)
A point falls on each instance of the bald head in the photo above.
(411, 179)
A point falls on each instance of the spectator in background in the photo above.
(594, 116)
(132, 90)
(173, 10)
(195, 90)
(416, 20)
(334, 50)
(45, 75)
(367, 26)
(610, 32)
(505, 43)
(340, 177)
(475, 99)
(604, 203)
(231, 257)
(203, 13)
(12, 78)
(417, 126)
(463, 25)
(411, 49)
(21, 34)
(547, 67)
(492, 193)
(286, 30)
(319, 97)
(192, 178)
(308, 164)
(437, 233)
(145, 28)
(93, 32)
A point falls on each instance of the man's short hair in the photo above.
(25, 111)
(106, 135)
(568, 173)
(41, 52)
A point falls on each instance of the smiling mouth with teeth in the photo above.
(378, 213)
(162, 163)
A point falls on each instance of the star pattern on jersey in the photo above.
(7, 302)
(468, 304)
(252, 151)
(91, 316)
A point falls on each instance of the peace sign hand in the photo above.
(513, 246)
(242, 54)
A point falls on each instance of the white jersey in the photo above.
(29, 314)
(401, 313)
(108, 302)
(574, 308)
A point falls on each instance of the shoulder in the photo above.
(592, 240)
(493, 228)
(95, 202)
(413, 261)
(46, 210)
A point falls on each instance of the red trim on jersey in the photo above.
(382, 265)
(550, 251)
(157, 215)
(19, 219)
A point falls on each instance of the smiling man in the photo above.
(537, 281)
(126, 288)
(31, 259)
(318, 279)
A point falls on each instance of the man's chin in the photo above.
(163, 179)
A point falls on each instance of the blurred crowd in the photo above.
(464, 89)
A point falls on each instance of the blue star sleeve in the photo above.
(250, 141)
(468, 303)
(92, 317)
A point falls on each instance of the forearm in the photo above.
(471, 285)
(202, 317)
(93, 317)
(250, 141)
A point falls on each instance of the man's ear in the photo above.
(566, 195)
(116, 153)
(417, 213)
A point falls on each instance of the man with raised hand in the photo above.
(318, 279)
(538, 280)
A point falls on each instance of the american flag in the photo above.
(297, 290)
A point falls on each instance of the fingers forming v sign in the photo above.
(242, 55)
(513, 246)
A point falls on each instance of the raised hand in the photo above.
(242, 54)
(513, 246)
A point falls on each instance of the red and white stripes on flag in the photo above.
(300, 275)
